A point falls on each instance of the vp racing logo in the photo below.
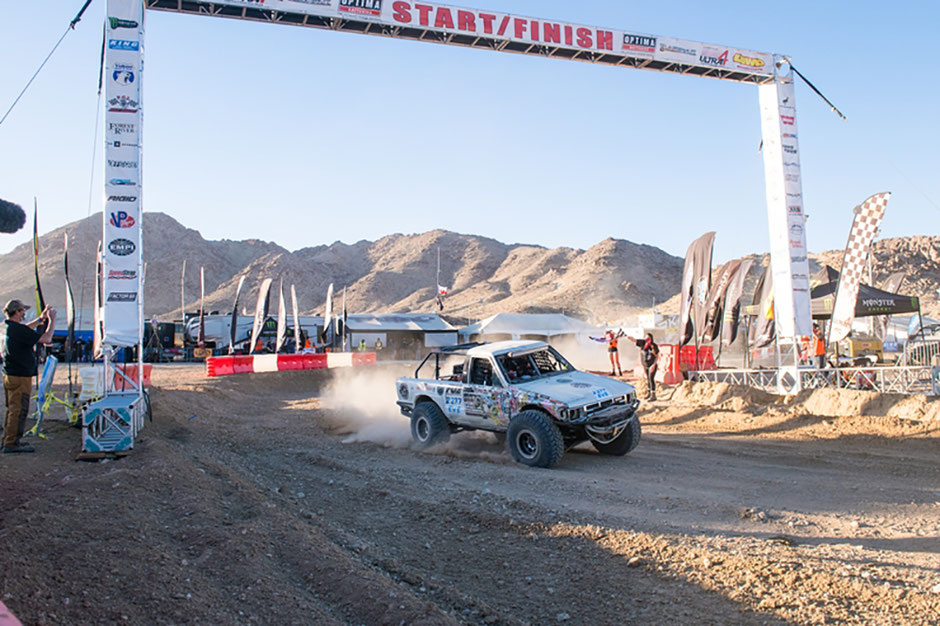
(120, 219)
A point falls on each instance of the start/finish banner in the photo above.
(122, 255)
(505, 27)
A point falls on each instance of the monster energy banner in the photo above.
(122, 254)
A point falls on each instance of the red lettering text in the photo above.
(444, 19)
(568, 40)
(552, 33)
(605, 40)
(466, 21)
(534, 30)
(424, 13)
(520, 26)
(584, 38)
(487, 22)
(402, 12)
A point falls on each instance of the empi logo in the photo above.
(122, 247)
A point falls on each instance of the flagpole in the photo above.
(344, 319)
(183, 293)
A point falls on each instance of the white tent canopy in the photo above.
(518, 325)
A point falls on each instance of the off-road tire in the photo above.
(627, 440)
(429, 427)
(534, 440)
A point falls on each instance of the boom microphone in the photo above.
(12, 217)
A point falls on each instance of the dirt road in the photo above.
(297, 499)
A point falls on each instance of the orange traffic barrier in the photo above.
(130, 370)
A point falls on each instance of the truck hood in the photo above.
(577, 389)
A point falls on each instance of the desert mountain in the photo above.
(608, 282)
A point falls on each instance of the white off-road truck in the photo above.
(524, 389)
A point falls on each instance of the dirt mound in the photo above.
(721, 396)
(849, 403)
(818, 402)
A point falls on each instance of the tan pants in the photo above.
(18, 390)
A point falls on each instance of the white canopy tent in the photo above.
(524, 325)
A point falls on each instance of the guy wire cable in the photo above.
(71, 26)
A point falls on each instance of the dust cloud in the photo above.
(591, 356)
(361, 403)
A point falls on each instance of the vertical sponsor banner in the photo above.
(784, 189)
(261, 313)
(732, 304)
(122, 254)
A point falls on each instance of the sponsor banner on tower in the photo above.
(788, 257)
(121, 250)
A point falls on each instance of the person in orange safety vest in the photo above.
(819, 347)
(610, 337)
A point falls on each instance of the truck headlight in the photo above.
(570, 414)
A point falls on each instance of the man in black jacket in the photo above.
(19, 368)
(649, 358)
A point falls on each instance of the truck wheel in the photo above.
(534, 440)
(428, 425)
(624, 443)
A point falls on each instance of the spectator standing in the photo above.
(19, 368)
(649, 358)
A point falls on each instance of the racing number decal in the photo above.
(453, 404)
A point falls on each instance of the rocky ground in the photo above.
(295, 498)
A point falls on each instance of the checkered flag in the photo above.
(868, 218)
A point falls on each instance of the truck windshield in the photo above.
(520, 368)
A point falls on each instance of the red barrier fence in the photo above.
(675, 360)
(228, 365)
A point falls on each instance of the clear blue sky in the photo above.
(306, 137)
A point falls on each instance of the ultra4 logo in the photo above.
(120, 219)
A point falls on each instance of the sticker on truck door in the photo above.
(453, 404)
